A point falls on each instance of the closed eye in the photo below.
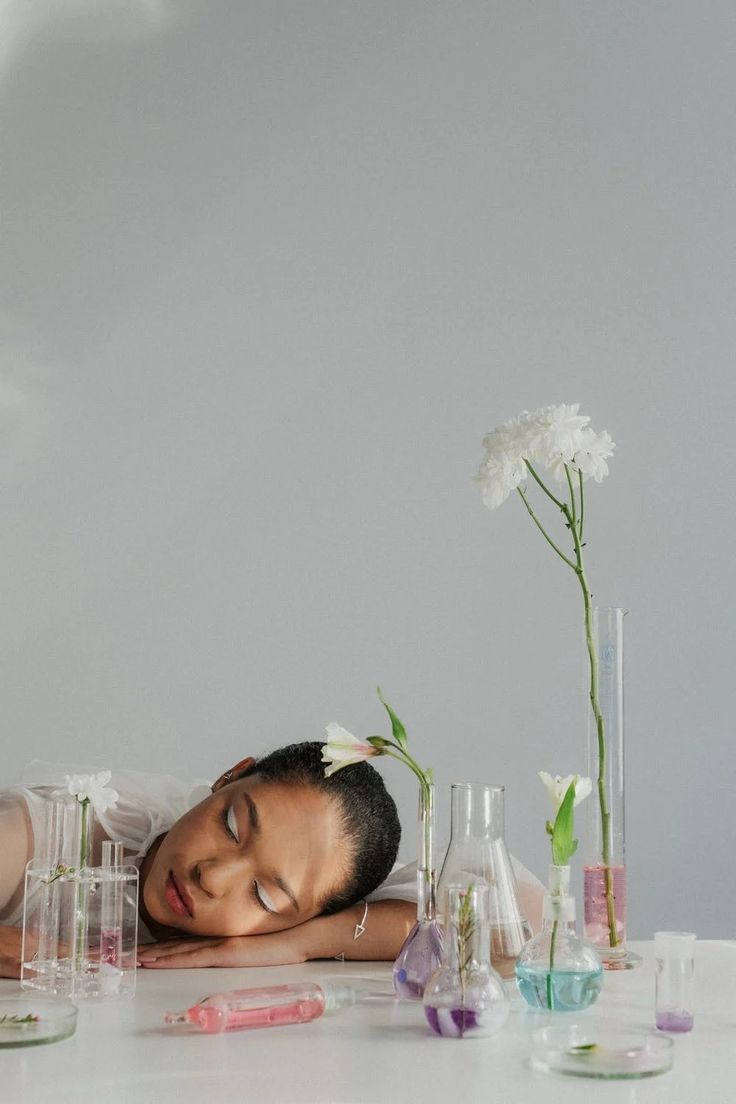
(231, 823)
(263, 898)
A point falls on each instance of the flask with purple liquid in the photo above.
(465, 998)
(421, 952)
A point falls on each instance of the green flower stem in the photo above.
(572, 498)
(550, 990)
(81, 901)
(601, 736)
(582, 506)
(543, 485)
(543, 531)
(425, 782)
(577, 566)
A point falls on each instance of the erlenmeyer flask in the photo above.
(477, 853)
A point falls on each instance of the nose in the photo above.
(215, 876)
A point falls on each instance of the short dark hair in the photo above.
(368, 814)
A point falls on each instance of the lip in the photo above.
(177, 897)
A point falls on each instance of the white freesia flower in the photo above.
(557, 787)
(342, 749)
(93, 788)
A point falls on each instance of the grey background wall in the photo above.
(269, 272)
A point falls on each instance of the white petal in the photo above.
(583, 788)
(337, 736)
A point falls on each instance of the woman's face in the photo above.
(257, 856)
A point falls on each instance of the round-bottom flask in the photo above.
(556, 971)
(465, 998)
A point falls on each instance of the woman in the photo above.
(276, 865)
(272, 867)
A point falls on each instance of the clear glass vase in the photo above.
(604, 872)
(465, 997)
(79, 921)
(556, 971)
(477, 853)
(421, 952)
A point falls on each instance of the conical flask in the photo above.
(477, 853)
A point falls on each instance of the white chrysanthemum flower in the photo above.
(500, 473)
(93, 788)
(556, 434)
(591, 456)
(552, 437)
(557, 787)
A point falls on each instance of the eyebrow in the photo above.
(255, 824)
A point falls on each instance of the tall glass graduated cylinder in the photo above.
(477, 853)
(605, 853)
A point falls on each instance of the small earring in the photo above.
(228, 776)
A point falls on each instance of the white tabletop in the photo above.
(378, 1051)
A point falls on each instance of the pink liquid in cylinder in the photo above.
(596, 911)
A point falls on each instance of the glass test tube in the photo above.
(675, 955)
(111, 913)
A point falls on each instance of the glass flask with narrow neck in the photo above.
(421, 952)
(477, 853)
(556, 971)
(465, 997)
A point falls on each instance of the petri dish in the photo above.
(32, 1021)
(605, 1053)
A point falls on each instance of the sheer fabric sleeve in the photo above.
(401, 885)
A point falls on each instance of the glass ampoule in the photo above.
(269, 1006)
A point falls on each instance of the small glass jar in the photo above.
(675, 956)
(556, 971)
(465, 998)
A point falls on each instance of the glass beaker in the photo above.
(477, 854)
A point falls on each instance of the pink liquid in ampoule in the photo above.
(213, 1019)
(269, 1006)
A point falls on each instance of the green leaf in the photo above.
(563, 845)
(396, 726)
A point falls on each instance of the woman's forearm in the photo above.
(386, 927)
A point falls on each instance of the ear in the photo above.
(233, 774)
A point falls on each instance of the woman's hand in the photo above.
(272, 949)
(352, 934)
(10, 947)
